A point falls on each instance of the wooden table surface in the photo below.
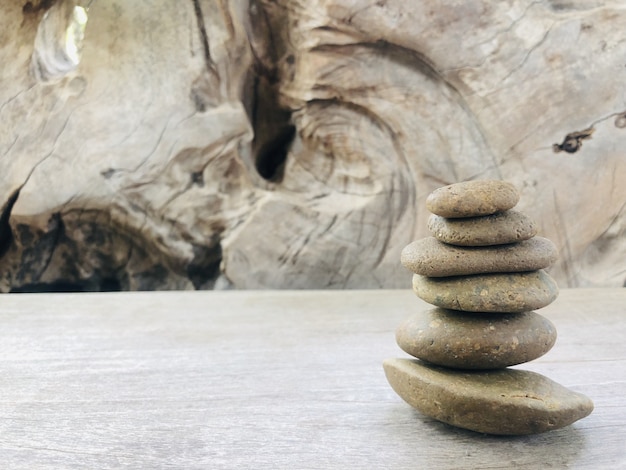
(280, 379)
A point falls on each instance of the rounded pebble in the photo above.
(503, 402)
(496, 229)
(430, 257)
(476, 341)
(472, 198)
(506, 293)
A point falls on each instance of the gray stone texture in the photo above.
(496, 229)
(430, 257)
(506, 293)
(505, 401)
(476, 341)
(472, 198)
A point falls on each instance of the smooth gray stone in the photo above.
(430, 257)
(506, 293)
(496, 229)
(503, 401)
(472, 198)
(476, 341)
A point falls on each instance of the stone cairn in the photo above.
(483, 270)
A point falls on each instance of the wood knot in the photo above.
(573, 141)
(35, 7)
(620, 120)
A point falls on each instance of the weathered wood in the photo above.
(271, 380)
(258, 143)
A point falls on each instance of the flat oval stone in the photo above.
(472, 198)
(504, 401)
(506, 293)
(430, 257)
(476, 341)
(496, 229)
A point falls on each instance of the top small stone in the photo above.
(472, 199)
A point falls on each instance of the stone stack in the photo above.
(483, 269)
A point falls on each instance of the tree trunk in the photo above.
(291, 143)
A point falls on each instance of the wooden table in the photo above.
(272, 380)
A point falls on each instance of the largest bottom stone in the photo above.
(505, 401)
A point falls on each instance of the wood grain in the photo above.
(159, 160)
(289, 379)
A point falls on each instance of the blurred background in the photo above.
(255, 144)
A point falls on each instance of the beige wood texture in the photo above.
(271, 380)
(292, 143)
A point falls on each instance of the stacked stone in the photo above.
(483, 269)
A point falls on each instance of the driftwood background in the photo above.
(292, 143)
